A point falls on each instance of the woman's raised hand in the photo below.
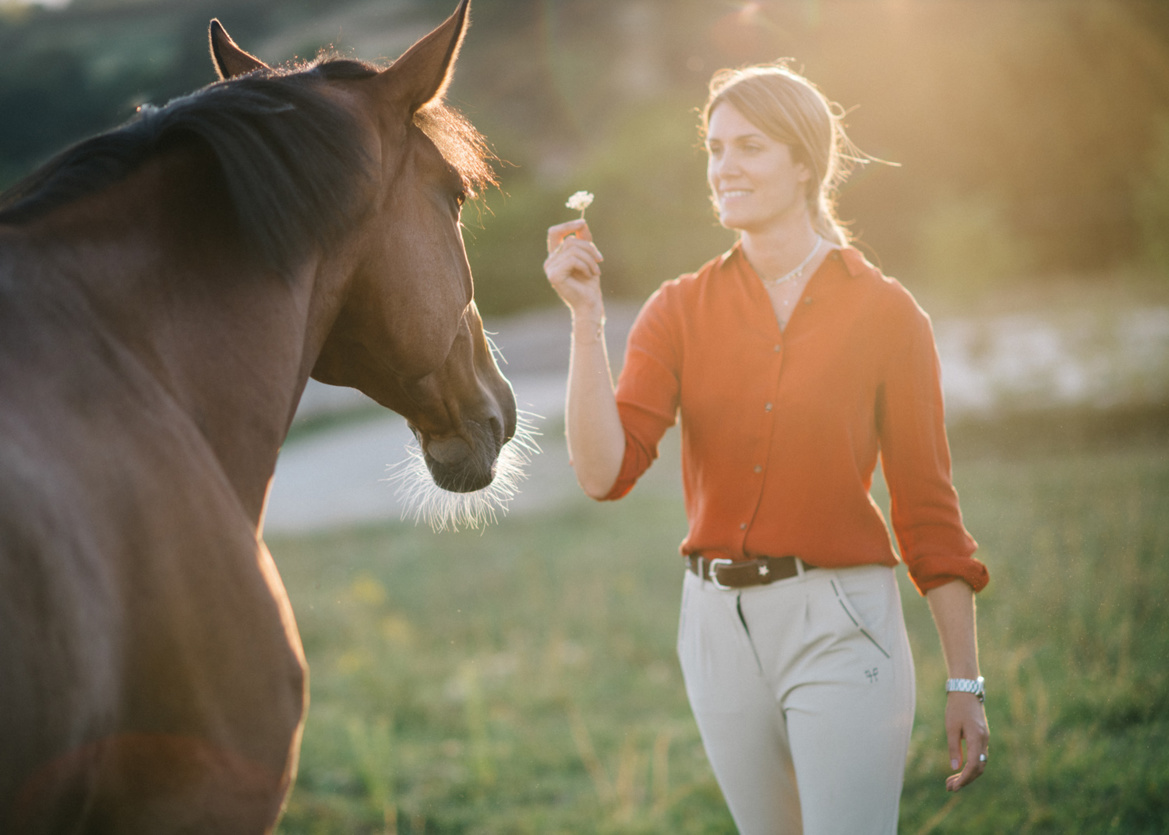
(573, 266)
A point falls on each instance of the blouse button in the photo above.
(758, 469)
(767, 408)
(742, 526)
(778, 348)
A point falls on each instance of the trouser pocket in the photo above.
(868, 598)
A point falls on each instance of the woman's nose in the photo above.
(723, 165)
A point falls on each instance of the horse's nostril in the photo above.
(449, 451)
(503, 430)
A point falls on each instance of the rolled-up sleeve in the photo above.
(647, 391)
(915, 456)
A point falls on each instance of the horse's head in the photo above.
(398, 321)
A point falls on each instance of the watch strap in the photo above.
(973, 686)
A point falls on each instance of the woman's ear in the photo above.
(804, 170)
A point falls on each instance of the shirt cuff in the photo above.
(929, 573)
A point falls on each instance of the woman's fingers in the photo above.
(576, 248)
(573, 256)
(974, 767)
(573, 266)
(573, 228)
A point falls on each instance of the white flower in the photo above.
(580, 201)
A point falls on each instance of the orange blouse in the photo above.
(781, 430)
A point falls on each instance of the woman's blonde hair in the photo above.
(790, 109)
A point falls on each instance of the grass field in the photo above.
(523, 679)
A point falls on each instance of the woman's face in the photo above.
(755, 183)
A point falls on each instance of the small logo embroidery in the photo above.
(764, 571)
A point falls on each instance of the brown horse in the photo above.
(166, 290)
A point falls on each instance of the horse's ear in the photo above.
(229, 59)
(424, 71)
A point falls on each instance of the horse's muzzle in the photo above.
(464, 463)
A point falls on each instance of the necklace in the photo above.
(798, 271)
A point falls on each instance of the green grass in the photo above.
(523, 680)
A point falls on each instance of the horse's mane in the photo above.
(291, 158)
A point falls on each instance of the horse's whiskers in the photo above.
(423, 500)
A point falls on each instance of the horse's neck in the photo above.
(223, 342)
(237, 369)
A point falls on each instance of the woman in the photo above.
(792, 363)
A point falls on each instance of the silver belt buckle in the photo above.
(714, 564)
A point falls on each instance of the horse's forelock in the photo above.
(460, 144)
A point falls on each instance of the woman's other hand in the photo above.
(966, 724)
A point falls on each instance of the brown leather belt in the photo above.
(741, 574)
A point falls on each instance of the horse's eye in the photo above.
(461, 197)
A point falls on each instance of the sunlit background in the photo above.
(1023, 197)
(1031, 138)
(1026, 142)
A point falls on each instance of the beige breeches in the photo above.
(804, 695)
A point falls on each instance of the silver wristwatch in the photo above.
(967, 685)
